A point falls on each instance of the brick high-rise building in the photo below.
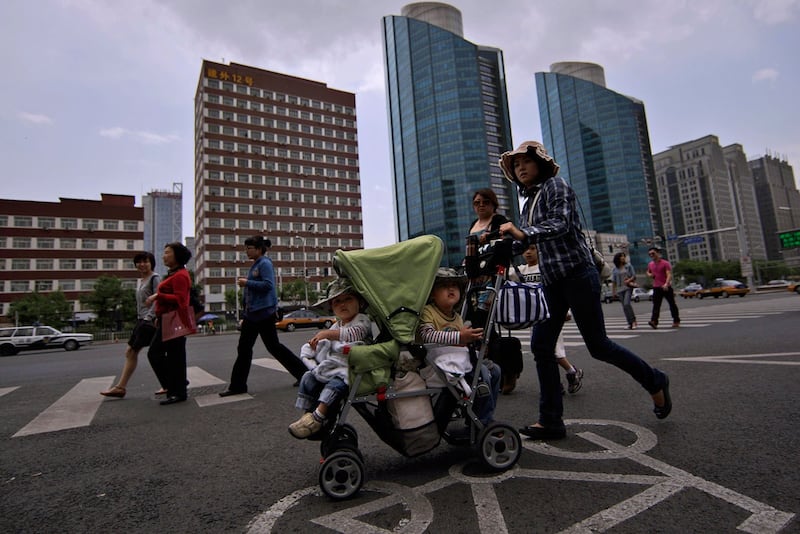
(275, 155)
(67, 245)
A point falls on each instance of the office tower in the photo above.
(163, 213)
(277, 156)
(778, 204)
(448, 124)
(600, 139)
(708, 203)
(67, 245)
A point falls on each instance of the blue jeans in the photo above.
(312, 391)
(580, 292)
(625, 299)
(484, 406)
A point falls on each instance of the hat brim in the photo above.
(547, 164)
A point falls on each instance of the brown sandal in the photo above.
(115, 391)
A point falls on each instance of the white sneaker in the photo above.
(305, 426)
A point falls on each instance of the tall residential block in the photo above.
(163, 218)
(67, 245)
(448, 124)
(778, 204)
(708, 202)
(600, 139)
(277, 156)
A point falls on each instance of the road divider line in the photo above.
(75, 409)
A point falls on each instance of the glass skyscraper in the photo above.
(600, 139)
(163, 219)
(448, 121)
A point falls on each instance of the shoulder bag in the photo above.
(177, 323)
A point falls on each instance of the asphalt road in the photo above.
(724, 461)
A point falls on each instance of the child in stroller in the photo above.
(396, 282)
(446, 336)
(326, 357)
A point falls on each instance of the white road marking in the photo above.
(75, 409)
(4, 391)
(742, 358)
(199, 378)
(215, 399)
(269, 363)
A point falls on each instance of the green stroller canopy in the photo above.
(395, 280)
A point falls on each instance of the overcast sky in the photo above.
(98, 94)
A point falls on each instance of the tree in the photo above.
(231, 296)
(47, 308)
(108, 297)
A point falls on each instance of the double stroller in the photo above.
(410, 414)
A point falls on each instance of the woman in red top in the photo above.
(168, 358)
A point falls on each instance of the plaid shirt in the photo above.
(555, 228)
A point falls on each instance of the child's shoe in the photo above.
(305, 426)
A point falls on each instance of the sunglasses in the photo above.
(481, 203)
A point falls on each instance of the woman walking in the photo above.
(168, 357)
(550, 220)
(623, 280)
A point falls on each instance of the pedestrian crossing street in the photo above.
(78, 407)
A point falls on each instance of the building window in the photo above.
(110, 225)
(87, 284)
(130, 226)
(46, 242)
(22, 242)
(44, 265)
(89, 264)
(129, 244)
(66, 285)
(47, 222)
(20, 264)
(44, 285)
(68, 242)
(91, 224)
(3, 220)
(110, 265)
(68, 223)
(89, 244)
(23, 221)
(110, 244)
(19, 285)
(67, 264)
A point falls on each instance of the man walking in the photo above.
(660, 270)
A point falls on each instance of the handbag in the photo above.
(521, 305)
(600, 262)
(177, 323)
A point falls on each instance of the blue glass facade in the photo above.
(601, 141)
(448, 122)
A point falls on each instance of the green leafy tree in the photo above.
(230, 299)
(50, 308)
(111, 302)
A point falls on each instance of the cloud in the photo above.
(767, 74)
(34, 118)
(775, 11)
(149, 138)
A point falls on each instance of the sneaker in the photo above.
(575, 380)
(305, 426)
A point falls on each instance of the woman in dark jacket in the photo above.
(168, 358)
(551, 221)
(260, 307)
(485, 204)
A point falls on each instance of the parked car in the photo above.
(779, 283)
(15, 339)
(691, 290)
(304, 319)
(724, 288)
(607, 296)
(641, 294)
(794, 287)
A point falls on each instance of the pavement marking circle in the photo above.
(645, 440)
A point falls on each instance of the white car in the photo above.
(15, 339)
(640, 294)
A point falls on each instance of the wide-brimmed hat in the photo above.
(338, 287)
(547, 165)
(446, 274)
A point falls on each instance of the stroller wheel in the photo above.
(499, 446)
(343, 437)
(341, 475)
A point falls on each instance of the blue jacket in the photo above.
(259, 292)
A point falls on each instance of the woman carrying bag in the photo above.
(175, 320)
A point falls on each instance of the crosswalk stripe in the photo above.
(75, 409)
(269, 363)
(199, 378)
(3, 391)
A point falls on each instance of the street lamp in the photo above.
(305, 272)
